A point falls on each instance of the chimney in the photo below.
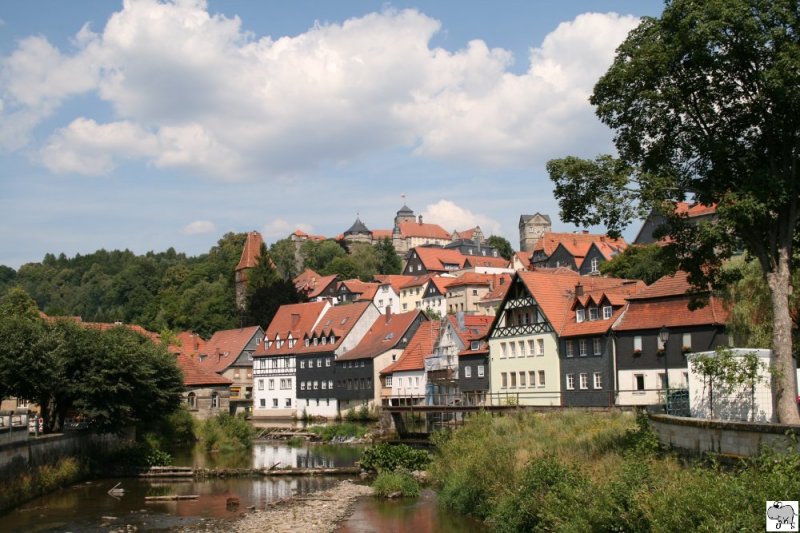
(578, 290)
(585, 232)
(388, 313)
(420, 219)
(295, 319)
(602, 238)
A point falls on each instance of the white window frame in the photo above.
(542, 378)
(597, 345)
(570, 381)
(637, 343)
(481, 371)
(580, 315)
(584, 381)
(583, 347)
(570, 348)
(607, 312)
(468, 371)
(597, 379)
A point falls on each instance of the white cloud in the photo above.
(280, 229)
(454, 217)
(217, 100)
(199, 227)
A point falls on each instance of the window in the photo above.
(400, 382)
(307, 342)
(192, 400)
(236, 373)
(480, 371)
(302, 385)
(503, 348)
(504, 380)
(607, 311)
(685, 377)
(570, 349)
(474, 345)
(532, 378)
(539, 346)
(598, 380)
(474, 292)
(598, 345)
(288, 402)
(513, 349)
(637, 343)
(416, 382)
(522, 379)
(214, 400)
(260, 384)
(583, 347)
(302, 363)
(595, 263)
(275, 402)
(467, 371)
(592, 313)
(531, 349)
(388, 381)
(687, 341)
(319, 363)
(513, 380)
(262, 402)
(333, 339)
(328, 361)
(541, 378)
(316, 384)
(324, 340)
(324, 384)
(271, 384)
(330, 384)
(662, 379)
(570, 381)
(584, 381)
(580, 315)
(638, 382)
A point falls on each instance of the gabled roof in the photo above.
(524, 258)
(691, 209)
(378, 234)
(468, 234)
(442, 282)
(385, 334)
(303, 235)
(366, 291)
(188, 343)
(251, 251)
(312, 284)
(339, 320)
(395, 280)
(420, 347)
(294, 319)
(481, 261)
(434, 259)
(525, 218)
(416, 281)
(615, 296)
(549, 241)
(554, 290)
(665, 303)
(475, 327)
(195, 375)
(423, 230)
(225, 346)
(500, 289)
(471, 278)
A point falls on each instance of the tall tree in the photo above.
(389, 260)
(285, 256)
(647, 263)
(502, 245)
(705, 101)
(267, 290)
(317, 255)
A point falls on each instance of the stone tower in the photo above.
(531, 228)
(249, 259)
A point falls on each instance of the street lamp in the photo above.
(663, 336)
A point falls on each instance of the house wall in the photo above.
(588, 364)
(561, 258)
(465, 298)
(386, 297)
(548, 362)
(586, 266)
(203, 401)
(411, 298)
(473, 383)
(409, 383)
(355, 381)
(264, 398)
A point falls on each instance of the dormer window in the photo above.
(307, 342)
(595, 264)
(316, 341)
(607, 311)
(593, 315)
(474, 345)
(333, 339)
(580, 315)
(324, 340)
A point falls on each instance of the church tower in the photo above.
(531, 228)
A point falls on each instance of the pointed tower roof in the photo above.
(357, 227)
(251, 251)
(405, 210)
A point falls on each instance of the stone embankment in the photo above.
(317, 512)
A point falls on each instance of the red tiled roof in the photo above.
(475, 327)
(395, 280)
(416, 281)
(195, 375)
(549, 241)
(365, 290)
(694, 210)
(302, 234)
(442, 282)
(312, 284)
(524, 258)
(467, 233)
(188, 343)
(381, 234)
(674, 285)
(589, 327)
(494, 262)
(423, 230)
(294, 319)
(384, 334)
(105, 326)
(500, 289)
(340, 320)
(251, 251)
(225, 346)
(434, 259)
(420, 346)
(471, 278)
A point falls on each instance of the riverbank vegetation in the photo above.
(583, 471)
(226, 433)
(37, 481)
(338, 432)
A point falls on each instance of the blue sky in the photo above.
(146, 125)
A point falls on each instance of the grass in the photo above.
(40, 481)
(343, 430)
(226, 433)
(390, 483)
(522, 472)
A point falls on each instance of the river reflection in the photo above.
(82, 507)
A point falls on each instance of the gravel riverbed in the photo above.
(317, 511)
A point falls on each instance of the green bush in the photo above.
(41, 480)
(385, 457)
(390, 483)
(343, 430)
(225, 433)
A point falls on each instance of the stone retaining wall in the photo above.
(743, 439)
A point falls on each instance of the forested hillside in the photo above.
(158, 291)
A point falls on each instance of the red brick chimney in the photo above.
(388, 313)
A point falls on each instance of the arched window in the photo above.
(192, 400)
(214, 400)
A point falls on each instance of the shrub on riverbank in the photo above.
(386, 457)
(40, 481)
(391, 484)
(224, 433)
(598, 471)
(344, 430)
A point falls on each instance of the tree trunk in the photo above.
(784, 380)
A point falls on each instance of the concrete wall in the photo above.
(18, 456)
(731, 438)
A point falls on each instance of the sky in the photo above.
(149, 124)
